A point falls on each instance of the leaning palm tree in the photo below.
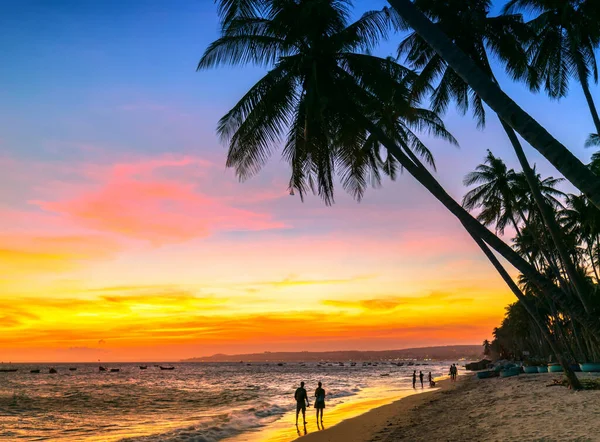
(468, 70)
(480, 37)
(321, 100)
(316, 53)
(566, 35)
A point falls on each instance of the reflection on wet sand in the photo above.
(283, 429)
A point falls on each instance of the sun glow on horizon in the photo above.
(144, 259)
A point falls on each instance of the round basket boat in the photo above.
(485, 374)
(542, 369)
(555, 368)
(514, 371)
(530, 370)
(590, 367)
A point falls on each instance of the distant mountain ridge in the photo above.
(449, 352)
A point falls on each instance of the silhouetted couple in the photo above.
(415, 378)
(302, 402)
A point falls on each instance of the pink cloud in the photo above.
(158, 200)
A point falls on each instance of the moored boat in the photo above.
(34, 371)
(555, 368)
(485, 374)
(8, 370)
(101, 368)
(167, 368)
(115, 370)
(143, 367)
(72, 368)
(52, 371)
(513, 371)
(590, 367)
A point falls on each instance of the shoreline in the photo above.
(378, 421)
(525, 407)
(284, 430)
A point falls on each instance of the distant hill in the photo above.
(450, 352)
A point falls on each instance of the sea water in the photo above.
(195, 402)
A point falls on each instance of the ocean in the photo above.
(200, 402)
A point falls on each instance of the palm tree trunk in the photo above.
(583, 80)
(571, 167)
(548, 217)
(571, 376)
(429, 182)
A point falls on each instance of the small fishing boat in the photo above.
(513, 371)
(115, 370)
(143, 367)
(34, 371)
(72, 368)
(52, 371)
(167, 368)
(555, 368)
(384, 374)
(101, 368)
(8, 370)
(590, 367)
(485, 374)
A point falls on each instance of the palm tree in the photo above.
(566, 34)
(475, 32)
(511, 114)
(494, 194)
(486, 347)
(321, 99)
(316, 53)
(582, 220)
(593, 140)
(323, 96)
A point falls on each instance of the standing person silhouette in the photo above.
(415, 379)
(431, 382)
(421, 378)
(319, 401)
(301, 402)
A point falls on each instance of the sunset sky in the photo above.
(124, 237)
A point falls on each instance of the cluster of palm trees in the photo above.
(503, 200)
(341, 114)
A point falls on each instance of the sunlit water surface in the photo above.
(195, 402)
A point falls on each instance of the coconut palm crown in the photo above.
(320, 76)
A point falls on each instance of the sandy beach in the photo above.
(519, 408)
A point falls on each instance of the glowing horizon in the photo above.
(124, 238)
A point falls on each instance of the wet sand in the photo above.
(342, 415)
(520, 408)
